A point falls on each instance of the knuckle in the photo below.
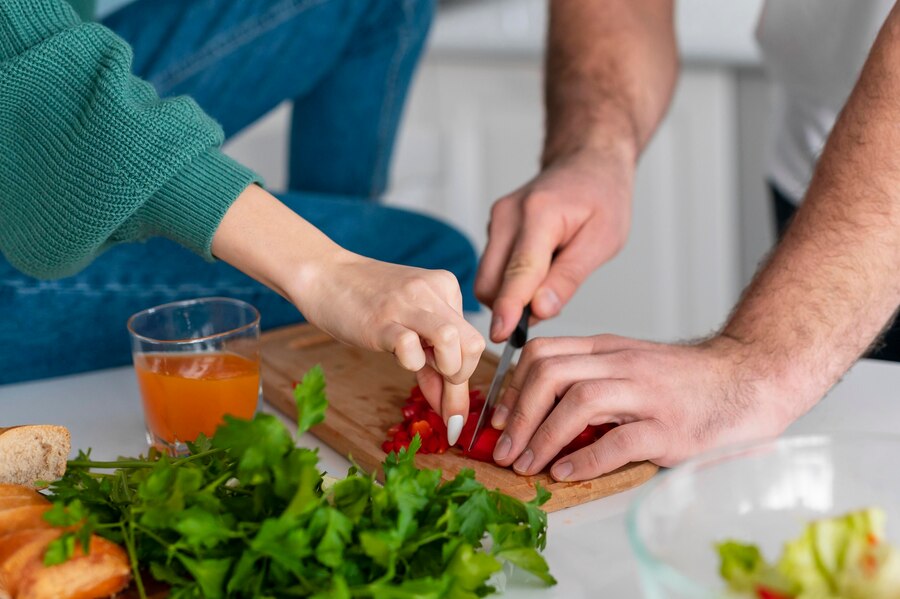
(546, 369)
(544, 435)
(498, 210)
(535, 203)
(570, 273)
(518, 419)
(475, 345)
(446, 334)
(446, 279)
(592, 459)
(625, 441)
(581, 395)
(537, 348)
(519, 264)
(414, 287)
(407, 341)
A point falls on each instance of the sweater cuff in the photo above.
(190, 206)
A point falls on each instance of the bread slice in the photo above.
(103, 572)
(33, 453)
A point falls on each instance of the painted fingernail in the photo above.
(548, 300)
(524, 461)
(501, 450)
(454, 428)
(562, 470)
(496, 326)
(498, 420)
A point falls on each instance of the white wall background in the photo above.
(472, 132)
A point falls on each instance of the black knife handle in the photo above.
(520, 334)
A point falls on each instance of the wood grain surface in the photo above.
(365, 392)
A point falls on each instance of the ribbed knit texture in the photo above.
(89, 154)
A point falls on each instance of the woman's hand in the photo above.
(415, 314)
(671, 402)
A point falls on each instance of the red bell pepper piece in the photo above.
(764, 593)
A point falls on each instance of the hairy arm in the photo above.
(826, 292)
(832, 283)
(610, 70)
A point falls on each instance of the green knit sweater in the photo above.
(90, 156)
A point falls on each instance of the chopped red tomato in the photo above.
(764, 593)
(419, 418)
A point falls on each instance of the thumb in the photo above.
(527, 267)
(569, 269)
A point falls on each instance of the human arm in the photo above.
(414, 313)
(610, 70)
(824, 295)
(90, 156)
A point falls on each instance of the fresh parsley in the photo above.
(247, 515)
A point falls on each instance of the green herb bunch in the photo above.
(247, 515)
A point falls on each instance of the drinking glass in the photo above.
(196, 361)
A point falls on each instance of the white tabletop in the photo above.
(588, 549)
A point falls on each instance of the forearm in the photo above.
(610, 71)
(831, 285)
(268, 241)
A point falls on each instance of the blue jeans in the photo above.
(347, 65)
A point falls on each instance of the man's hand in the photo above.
(671, 402)
(609, 74)
(578, 209)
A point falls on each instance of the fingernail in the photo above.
(524, 461)
(561, 470)
(501, 450)
(548, 300)
(454, 428)
(498, 420)
(496, 326)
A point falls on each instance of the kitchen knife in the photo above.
(515, 342)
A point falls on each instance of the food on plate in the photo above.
(249, 514)
(29, 454)
(26, 539)
(845, 557)
(419, 418)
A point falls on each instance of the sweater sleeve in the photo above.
(90, 156)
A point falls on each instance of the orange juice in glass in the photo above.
(196, 361)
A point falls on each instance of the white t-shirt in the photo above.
(814, 51)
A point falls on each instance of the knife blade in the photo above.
(515, 342)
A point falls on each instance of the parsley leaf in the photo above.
(311, 400)
(247, 514)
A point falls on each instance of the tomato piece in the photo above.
(465, 437)
(387, 446)
(764, 593)
(483, 450)
(421, 428)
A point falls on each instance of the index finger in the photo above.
(526, 269)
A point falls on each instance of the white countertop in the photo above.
(709, 31)
(588, 549)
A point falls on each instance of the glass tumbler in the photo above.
(196, 361)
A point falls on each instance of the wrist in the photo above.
(608, 142)
(311, 281)
(775, 384)
(268, 241)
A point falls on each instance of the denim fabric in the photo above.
(347, 65)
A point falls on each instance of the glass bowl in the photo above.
(763, 493)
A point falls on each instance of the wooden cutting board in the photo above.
(365, 392)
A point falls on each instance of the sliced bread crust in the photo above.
(33, 453)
